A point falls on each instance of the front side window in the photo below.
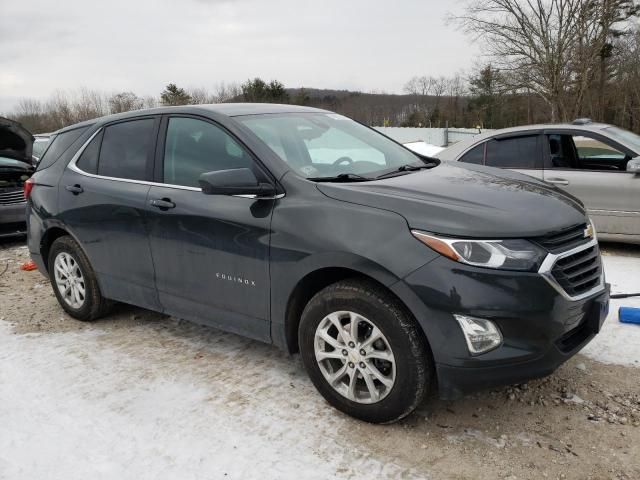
(583, 152)
(321, 145)
(590, 148)
(518, 152)
(126, 148)
(193, 147)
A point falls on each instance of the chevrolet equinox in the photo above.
(394, 275)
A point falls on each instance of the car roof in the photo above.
(452, 152)
(227, 109)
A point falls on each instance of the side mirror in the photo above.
(237, 181)
(633, 165)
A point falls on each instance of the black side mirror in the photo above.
(236, 181)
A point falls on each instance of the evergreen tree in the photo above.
(172, 95)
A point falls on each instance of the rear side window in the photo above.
(475, 155)
(60, 144)
(88, 161)
(520, 152)
(126, 148)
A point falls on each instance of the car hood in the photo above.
(15, 141)
(468, 201)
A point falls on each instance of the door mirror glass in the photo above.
(236, 181)
(633, 165)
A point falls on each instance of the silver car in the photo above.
(598, 163)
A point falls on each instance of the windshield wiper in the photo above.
(406, 169)
(343, 177)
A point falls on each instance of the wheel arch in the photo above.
(315, 280)
(51, 235)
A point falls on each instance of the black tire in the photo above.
(94, 305)
(414, 364)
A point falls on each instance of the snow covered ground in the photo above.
(619, 343)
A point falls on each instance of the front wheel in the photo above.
(364, 352)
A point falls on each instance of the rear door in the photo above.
(521, 153)
(102, 199)
(593, 168)
(211, 252)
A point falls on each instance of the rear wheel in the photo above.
(363, 352)
(74, 281)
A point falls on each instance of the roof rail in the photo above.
(582, 121)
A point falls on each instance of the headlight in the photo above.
(502, 254)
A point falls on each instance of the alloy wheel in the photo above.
(354, 357)
(69, 280)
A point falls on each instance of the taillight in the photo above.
(28, 186)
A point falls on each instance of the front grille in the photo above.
(564, 240)
(13, 197)
(579, 272)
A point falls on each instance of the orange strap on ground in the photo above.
(28, 266)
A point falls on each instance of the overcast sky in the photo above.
(141, 45)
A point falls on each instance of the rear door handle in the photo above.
(558, 181)
(162, 203)
(75, 189)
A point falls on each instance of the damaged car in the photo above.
(16, 144)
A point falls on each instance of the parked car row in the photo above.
(393, 274)
(598, 163)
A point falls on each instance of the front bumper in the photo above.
(541, 328)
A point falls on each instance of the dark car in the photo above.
(394, 275)
(15, 168)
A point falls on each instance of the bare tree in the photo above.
(420, 88)
(124, 102)
(549, 47)
(200, 95)
(224, 92)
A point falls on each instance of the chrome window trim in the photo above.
(74, 167)
(550, 261)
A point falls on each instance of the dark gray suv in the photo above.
(392, 274)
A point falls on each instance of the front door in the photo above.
(103, 198)
(211, 252)
(594, 170)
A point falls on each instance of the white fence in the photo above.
(441, 137)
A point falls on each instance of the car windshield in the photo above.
(624, 136)
(328, 145)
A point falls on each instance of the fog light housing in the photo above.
(481, 334)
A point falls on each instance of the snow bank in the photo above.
(619, 343)
(424, 148)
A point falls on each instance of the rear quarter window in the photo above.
(60, 143)
(475, 155)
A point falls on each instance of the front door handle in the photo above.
(162, 203)
(558, 181)
(75, 189)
